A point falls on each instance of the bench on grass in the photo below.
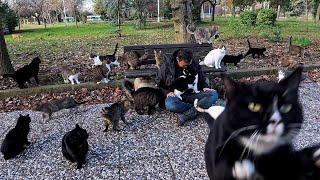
(199, 52)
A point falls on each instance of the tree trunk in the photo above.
(196, 10)
(318, 13)
(38, 19)
(5, 63)
(182, 16)
(278, 12)
(213, 12)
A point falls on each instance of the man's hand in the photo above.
(207, 89)
(171, 94)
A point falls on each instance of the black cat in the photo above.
(255, 51)
(232, 59)
(17, 139)
(24, 74)
(257, 120)
(75, 146)
(145, 99)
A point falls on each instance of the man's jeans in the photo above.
(206, 100)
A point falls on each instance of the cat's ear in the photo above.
(77, 126)
(230, 86)
(291, 82)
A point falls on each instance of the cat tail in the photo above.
(188, 29)
(128, 86)
(115, 50)
(249, 43)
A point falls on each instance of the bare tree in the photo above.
(37, 9)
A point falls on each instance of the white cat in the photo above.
(214, 57)
(213, 111)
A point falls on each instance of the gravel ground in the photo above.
(149, 147)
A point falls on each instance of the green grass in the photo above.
(231, 28)
(64, 42)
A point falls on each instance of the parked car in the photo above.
(93, 18)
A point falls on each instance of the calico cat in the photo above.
(145, 99)
(232, 59)
(57, 105)
(214, 58)
(101, 73)
(185, 83)
(158, 56)
(69, 76)
(75, 146)
(265, 116)
(24, 74)
(97, 60)
(143, 82)
(133, 60)
(295, 49)
(113, 113)
(17, 139)
(255, 51)
(204, 35)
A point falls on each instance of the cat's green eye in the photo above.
(254, 107)
(285, 108)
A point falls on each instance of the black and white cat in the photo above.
(214, 58)
(17, 139)
(97, 60)
(255, 51)
(188, 81)
(75, 146)
(256, 125)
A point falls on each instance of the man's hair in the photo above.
(185, 55)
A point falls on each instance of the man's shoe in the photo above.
(187, 116)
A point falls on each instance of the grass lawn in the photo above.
(60, 40)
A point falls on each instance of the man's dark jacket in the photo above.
(169, 71)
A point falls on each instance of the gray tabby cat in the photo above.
(133, 59)
(69, 76)
(113, 113)
(203, 34)
(57, 105)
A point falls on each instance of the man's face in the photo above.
(183, 64)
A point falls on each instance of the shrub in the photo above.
(266, 17)
(8, 17)
(248, 17)
(302, 41)
(273, 34)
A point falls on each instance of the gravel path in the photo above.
(150, 147)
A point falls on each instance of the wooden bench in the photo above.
(199, 52)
